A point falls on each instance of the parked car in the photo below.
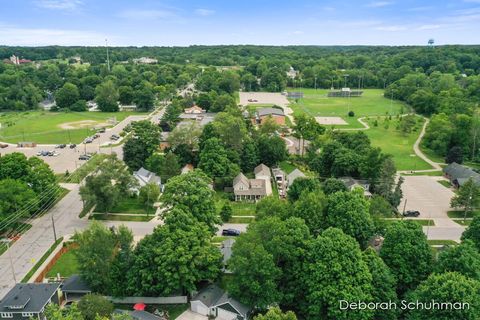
(88, 140)
(411, 213)
(3, 145)
(72, 146)
(101, 130)
(230, 232)
(84, 157)
(95, 136)
(114, 137)
(60, 146)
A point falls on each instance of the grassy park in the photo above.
(371, 103)
(54, 127)
(396, 143)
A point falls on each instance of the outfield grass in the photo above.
(396, 143)
(372, 103)
(66, 265)
(45, 127)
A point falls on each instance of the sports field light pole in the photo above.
(7, 242)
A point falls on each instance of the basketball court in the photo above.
(331, 120)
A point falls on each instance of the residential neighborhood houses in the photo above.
(193, 206)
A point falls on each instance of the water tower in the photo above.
(431, 42)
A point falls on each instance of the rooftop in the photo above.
(29, 297)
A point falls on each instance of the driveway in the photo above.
(427, 195)
(189, 315)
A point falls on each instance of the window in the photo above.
(27, 314)
(6, 314)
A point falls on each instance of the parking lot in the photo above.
(68, 159)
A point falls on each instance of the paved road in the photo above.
(427, 195)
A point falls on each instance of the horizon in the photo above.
(147, 23)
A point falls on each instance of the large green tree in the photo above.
(467, 197)
(92, 306)
(144, 140)
(276, 314)
(174, 258)
(473, 232)
(67, 95)
(407, 253)
(106, 96)
(450, 287)
(464, 259)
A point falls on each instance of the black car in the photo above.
(72, 146)
(84, 157)
(230, 232)
(60, 146)
(411, 213)
(102, 130)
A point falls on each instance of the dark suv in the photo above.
(411, 213)
(230, 232)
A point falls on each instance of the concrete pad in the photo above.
(189, 315)
(331, 120)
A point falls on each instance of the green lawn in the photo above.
(286, 166)
(41, 261)
(422, 222)
(131, 206)
(46, 127)
(241, 220)
(431, 154)
(428, 173)
(66, 265)
(399, 145)
(445, 183)
(442, 242)
(316, 103)
(459, 214)
(463, 223)
(120, 217)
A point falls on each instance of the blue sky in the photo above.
(180, 23)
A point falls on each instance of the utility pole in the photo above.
(405, 205)
(53, 227)
(108, 58)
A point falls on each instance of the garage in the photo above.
(223, 314)
(199, 307)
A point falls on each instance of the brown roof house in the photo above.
(253, 190)
(276, 114)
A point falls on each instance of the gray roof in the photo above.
(138, 314)
(75, 284)
(201, 118)
(263, 170)
(240, 178)
(257, 187)
(270, 111)
(213, 296)
(294, 175)
(28, 297)
(209, 295)
(144, 176)
(461, 173)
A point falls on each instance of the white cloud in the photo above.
(12, 35)
(146, 14)
(59, 4)
(204, 12)
(379, 4)
(391, 28)
(429, 27)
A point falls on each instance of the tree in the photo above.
(349, 212)
(450, 287)
(406, 252)
(41, 179)
(148, 195)
(125, 95)
(455, 154)
(166, 166)
(226, 212)
(473, 232)
(14, 166)
(92, 306)
(231, 129)
(311, 208)
(106, 96)
(144, 98)
(332, 185)
(95, 254)
(271, 206)
(467, 197)
(383, 284)
(144, 141)
(67, 95)
(122, 262)
(214, 160)
(301, 185)
(272, 150)
(192, 192)
(174, 257)
(464, 259)
(16, 196)
(188, 134)
(334, 270)
(306, 127)
(249, 157)
(276, 314)
(54, 312)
